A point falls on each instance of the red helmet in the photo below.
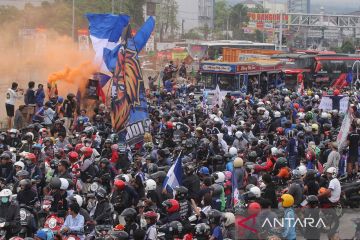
(151, 214)
(280, 131)
(296, 105)
(31, 157)
(336, 92)
(78, 147)
(73, 156)
(169, 125)
(254, 208)
(87, 151)
(171, 205)
(120, 184)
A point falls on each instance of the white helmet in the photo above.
(333, 171)
(5, 193)
(274, 151)
(277, 114)
(78, 199)
(150, 185)
(216, 119)
(238, 134)
(64, 184)
(287, 99)
(219, 177)
(212, 116)
(301, 115)
(256, 191)
(260, 103)
(228, 219)
(324, 115)
(20, 164)
(233, 151)
(302, 169)
(316, 97)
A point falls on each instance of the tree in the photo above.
(237, 18)
(166, 18)
(135, 10)
(192, 34)
(221, 15)
(347, 47)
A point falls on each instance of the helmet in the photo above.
(114, 138)
(129, 214)
(202, 230)
(118, 234)
(256, 191)
(108, 141)
(228, 218)
(37, 146)
(78, 147)
(5, 155)
(6, 193)
(214, 216)
(120, 184)
(204, 171)
(31, 157)
(277, 114)
(322, 190)
(254, 206)
(238, 134)
(26, 183)
(105, 161)
(274, 151)
(100, 192)
(233, 151)
(296, 174)
(150, 185)
(23, 173)
(332, 170)
(152, 168)
(228, 175)
(20, 164)
(219, 177)
(180, 192)
(280, 130)
(151, 215)
(217, 190)
(30, 135)
(174, 228)
(301, 115)
(42, 130)
(281, 162)
(171, 205)
(238, 162)
(87, 151)
(312, 199)
(73, 156)
(302, 169)
(287, 200)
(64, 184)
(315, 127)
(78, 199)
(123, 177)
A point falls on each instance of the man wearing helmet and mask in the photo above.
(6, 167)
(9, 211)
(333, 192)
(103, 211)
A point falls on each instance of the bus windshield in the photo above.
(299, 63)
(226, 82)
(336, 67)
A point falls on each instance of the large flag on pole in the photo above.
(129, 107)
(105, 31)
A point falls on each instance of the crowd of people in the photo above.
(238, 157)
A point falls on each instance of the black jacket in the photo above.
(103, 212)
(27, 197)
(192, 183)
(270, 194)
(11, 213)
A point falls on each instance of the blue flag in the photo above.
(174, 175)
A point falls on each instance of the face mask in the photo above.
(12, 135)
(88, 145)
(4, 199)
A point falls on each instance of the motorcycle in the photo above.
(350, 194)
(102, 231)
(3, 231)
(54, 223)
(27, 221)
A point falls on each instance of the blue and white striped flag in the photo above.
(174, 175)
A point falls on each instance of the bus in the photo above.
(214, 49)
(233, 76)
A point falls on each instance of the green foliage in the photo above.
(166, 19)
(348, 47)
(221, 15)
(192, 34)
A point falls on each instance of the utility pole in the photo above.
(73, 20)
(182, 27)
(281, 31)
(112, 6)
(227, 27)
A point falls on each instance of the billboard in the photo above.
(267, 17)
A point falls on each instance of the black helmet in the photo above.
(202, 230)
(129, 215)
(189, 169)
(152, 168)
(181, 192)
(216, 189)
(108, 141)
(55, 183)
(312, 199)
(281, 162)
(173, 228)
(105, 160)
(214, 216)
(114, 138)
(100, 192)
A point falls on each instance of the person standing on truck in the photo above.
(11, 96)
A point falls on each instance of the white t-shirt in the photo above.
(335, 188)
(151, 233)
(48, 116)
(11, 96)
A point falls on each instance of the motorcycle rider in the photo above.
(151, 231)
(191, 182)
(214, 217)
(103, 211)
(10, 212)
(74, 222)
(333, 192)
(129, 215)
(26, 195)
(6, 167)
